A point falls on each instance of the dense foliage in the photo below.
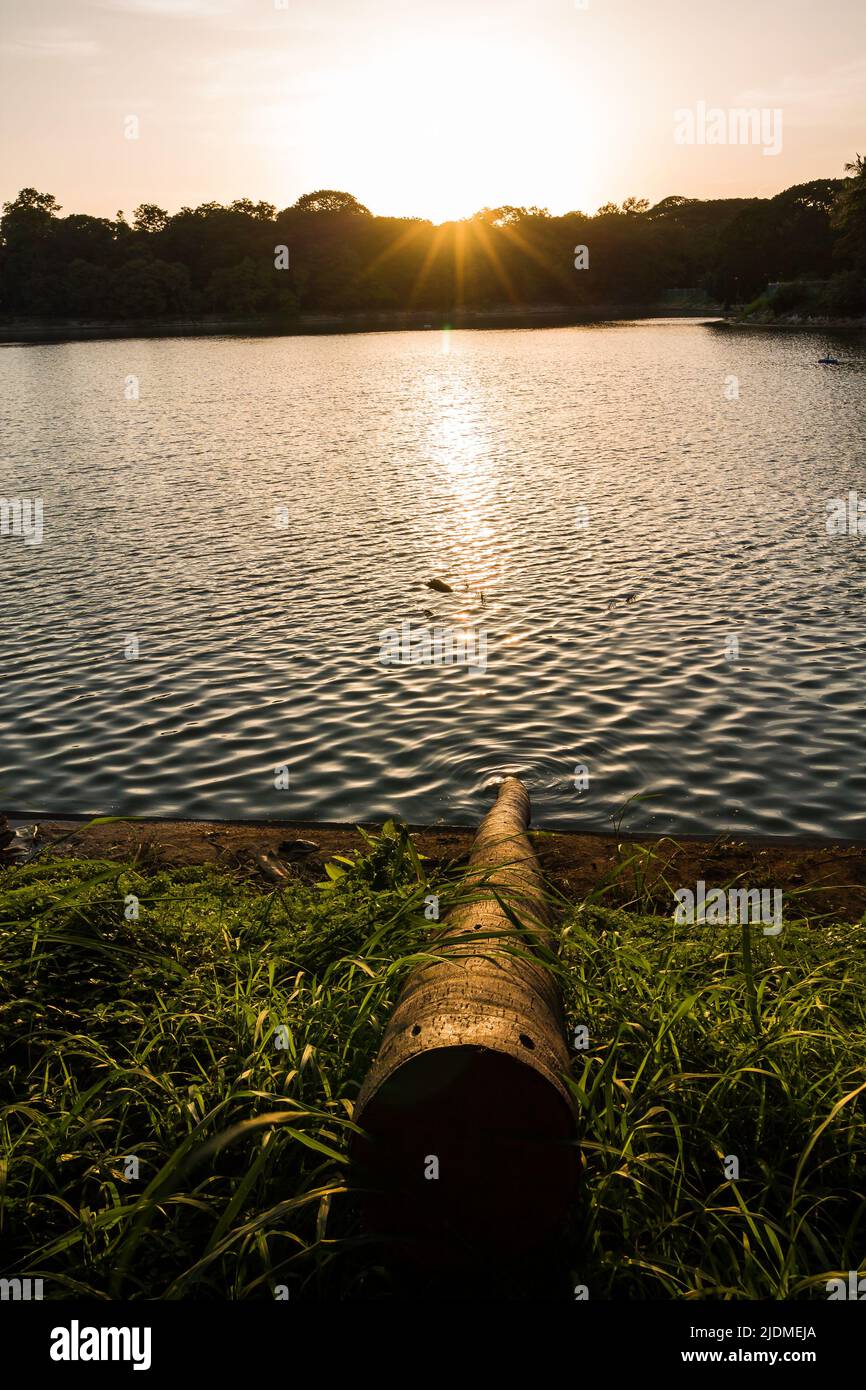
(217, 259)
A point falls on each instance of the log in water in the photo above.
(470, 1132)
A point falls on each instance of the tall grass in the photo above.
(701, 1053)
(156, 1039)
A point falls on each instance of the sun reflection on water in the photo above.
(465, 481)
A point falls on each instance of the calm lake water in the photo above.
(269, 507)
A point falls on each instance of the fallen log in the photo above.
(469, 1147)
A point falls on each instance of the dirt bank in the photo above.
(817, 879)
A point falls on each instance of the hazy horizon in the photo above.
(418, 109)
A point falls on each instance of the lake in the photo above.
(646, 601)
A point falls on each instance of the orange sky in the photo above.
(426, 107)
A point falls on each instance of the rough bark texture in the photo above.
(471, 1143)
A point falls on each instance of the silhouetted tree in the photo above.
(330, 200)
(221, 258)
(149, 218)
(849, 215)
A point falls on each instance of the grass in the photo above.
(156, 1039)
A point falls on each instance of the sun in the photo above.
(441, 128)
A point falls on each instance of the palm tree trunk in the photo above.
(470, 1133)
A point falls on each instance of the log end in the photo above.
(469, 1155)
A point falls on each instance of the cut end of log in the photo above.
(470, 1157)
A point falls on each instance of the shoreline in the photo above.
(795, 326)
(821, 877)
(31, 332)
(25, 331)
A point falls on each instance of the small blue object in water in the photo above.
(828, 362)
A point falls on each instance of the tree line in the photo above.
(328, 253)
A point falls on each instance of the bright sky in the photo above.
(433, 108)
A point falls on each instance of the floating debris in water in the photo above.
(439, 585)
(627, 598)
(632, 597)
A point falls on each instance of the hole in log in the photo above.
(503, 1136)
(527, 1041)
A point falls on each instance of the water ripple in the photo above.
(649, 562)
